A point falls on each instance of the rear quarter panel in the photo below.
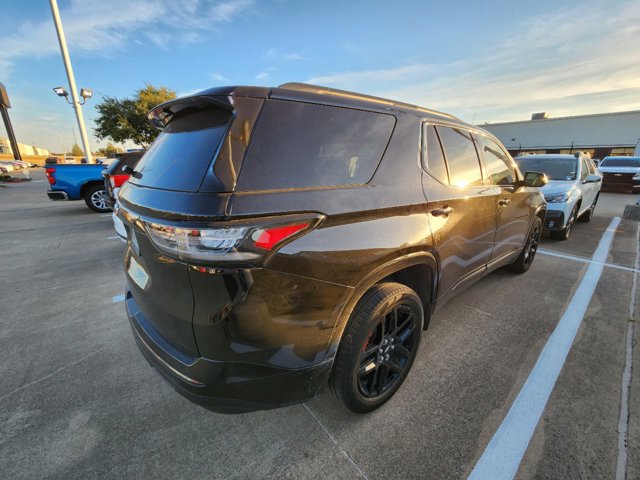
(71, 178)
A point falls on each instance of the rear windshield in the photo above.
(180, 156)
(124, 160)
(556, 168)
(621, 162)
(298, 145)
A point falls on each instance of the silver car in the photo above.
(572, 191)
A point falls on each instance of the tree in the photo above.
(110, 150)
(76, 151)
(126, 119)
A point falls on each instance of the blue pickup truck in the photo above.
(78, 181)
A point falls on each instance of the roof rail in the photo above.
(306, 87)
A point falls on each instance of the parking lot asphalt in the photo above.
(77, 400)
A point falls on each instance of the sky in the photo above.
(488, 61)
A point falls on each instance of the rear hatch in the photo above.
(187, 175)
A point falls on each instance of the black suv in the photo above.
(283, 239)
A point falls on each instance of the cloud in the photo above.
(97, 27)
(277, 55)
(550, 64)
(218, 77)
(262, 76)
(190, 92)
(226, 11)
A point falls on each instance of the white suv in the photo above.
(572, 191)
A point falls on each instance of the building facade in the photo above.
(601, 134)
(25, 150)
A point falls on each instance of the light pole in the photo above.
(77, 106)
(5, 104)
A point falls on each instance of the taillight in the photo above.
(118, 180)
(239, 241)
(270, 237)
(49, 173)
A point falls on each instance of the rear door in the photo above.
(462, 212)
(513, 211)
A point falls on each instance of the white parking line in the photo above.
(503, 454)
(106, 215)
(113, 238)
(118, 298)
(553, 253)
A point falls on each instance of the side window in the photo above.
(462, 158)
(585, 170)
(500, 169)
(434, 161)
(301, 145)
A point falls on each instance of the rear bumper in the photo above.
(225, 387)
(57, 195)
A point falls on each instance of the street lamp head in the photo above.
(86, 93)
(61, 92)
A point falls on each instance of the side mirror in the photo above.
(127, 170)
(534, 179)
(593, 178)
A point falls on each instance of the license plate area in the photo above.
(137, 273)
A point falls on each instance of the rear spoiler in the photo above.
(161, 115)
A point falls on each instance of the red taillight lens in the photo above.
(269, 237)
(49, 173)
(118, 180)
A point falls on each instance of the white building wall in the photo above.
(586, 131)
(27, 150)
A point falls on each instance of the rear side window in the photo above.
(124, 160)
(500, 169)
(298, 145)
(434, 162)
(462, 158)
(180, 156)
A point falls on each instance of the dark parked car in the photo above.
(621, 173)
(115, 175)
(307, 237)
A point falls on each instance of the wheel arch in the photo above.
(87, 185)
(412, 270)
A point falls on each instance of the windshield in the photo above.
(633, 162)
(556, 168)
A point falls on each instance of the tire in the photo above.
(375, 353)
(566, 231)
(588, 215)
(528, 253)
(95, 198)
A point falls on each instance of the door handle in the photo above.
(504, 201)
(442, 212)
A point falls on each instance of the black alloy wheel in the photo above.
(386, 352)
(378, 347)
(528, 253)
